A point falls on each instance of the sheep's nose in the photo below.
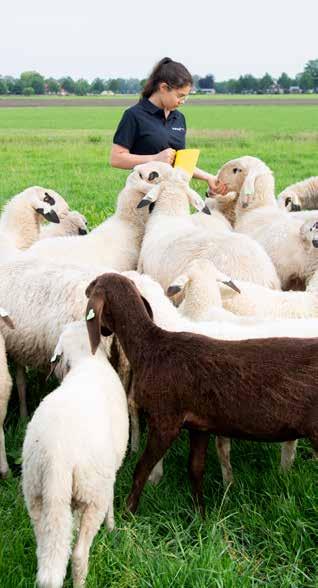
(82, 231)
(315, 243)
(295, 207)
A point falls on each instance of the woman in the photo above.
(154, 129)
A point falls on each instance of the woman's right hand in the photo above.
(166, 156)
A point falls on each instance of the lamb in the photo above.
(5, 392)
(114, 243)
(172, 240)
(53, 295)
(74, 445)
(22, 217)
(73, 223)
(258, 215)
(300, 195)
(212, 217)
(257, 301)
(169, 318)
(179, 382)
(202, 300)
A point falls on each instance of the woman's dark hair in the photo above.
(171, 72)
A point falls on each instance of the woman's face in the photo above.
(172, 98)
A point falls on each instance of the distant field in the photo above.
(263, 532)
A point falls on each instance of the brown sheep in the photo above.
(261, 390)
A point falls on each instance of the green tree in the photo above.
(17, 87)
(52, 85)
(284, 81)
(68, 85)
(265, 82)
(311, 68)
(81, 87)
(3, 86)
(113, 85)
(32, 79)
(97, 86)
(207, 82)
(28, 91)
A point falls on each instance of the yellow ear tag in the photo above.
(91, 315)
(187, 159)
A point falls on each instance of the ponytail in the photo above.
(171, 72)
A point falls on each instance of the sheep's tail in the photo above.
(54, 536)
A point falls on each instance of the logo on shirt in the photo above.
(177, 128)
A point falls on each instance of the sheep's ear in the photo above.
(150, 197)
(195, 199)
(93, 316)
(226, 280)
(177, 285)
(6, 319)
(248, 188)
(53, 363)
(147, 307)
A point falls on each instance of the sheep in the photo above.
(202, 298)
(22, 216)
(247, 390)
(223, 204)
(169, 318)
(53, 295)
(257, 301)
(213, 219)
(74, 223)
(172, 240)
(74, 445)
(5, 392)
(115, 243)
(283, 237)
(300, 195)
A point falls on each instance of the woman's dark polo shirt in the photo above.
(144, 130)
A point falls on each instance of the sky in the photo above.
(115, 38)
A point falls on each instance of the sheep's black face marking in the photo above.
(152, 176)
(151, 207)
(140, 175)
(206, 210)
(172, 290)
(49, 199)
(52, 217)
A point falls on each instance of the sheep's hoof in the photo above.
(6, 474)
(155, 478)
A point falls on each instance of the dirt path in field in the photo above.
(38, 102)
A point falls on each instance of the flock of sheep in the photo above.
(205, 321)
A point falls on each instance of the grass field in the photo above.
(263, 531)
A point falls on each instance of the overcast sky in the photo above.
(111, 39)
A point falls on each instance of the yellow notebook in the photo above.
(187, 159)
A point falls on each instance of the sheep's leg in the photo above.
(223, 447)
(288, 455)
(21, 385)
(135, 430)
(91, 520)
(110, 519)
(158, 443)
(199, 441)
(4, 399)
(156, 473)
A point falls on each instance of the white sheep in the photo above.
(264, 303)
(23, 215)
(73, 223)
(200, 284)
(5, 391)
(115, 243)
(172, 240)
(211, 217)
(283, 236)
(53, 295)
(169, 318)
(300, 195)
(74, 445)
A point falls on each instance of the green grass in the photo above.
(263, 532)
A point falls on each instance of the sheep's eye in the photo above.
(235, 170)
(140, 175)
(47, 198)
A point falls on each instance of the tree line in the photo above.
(31, 82)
